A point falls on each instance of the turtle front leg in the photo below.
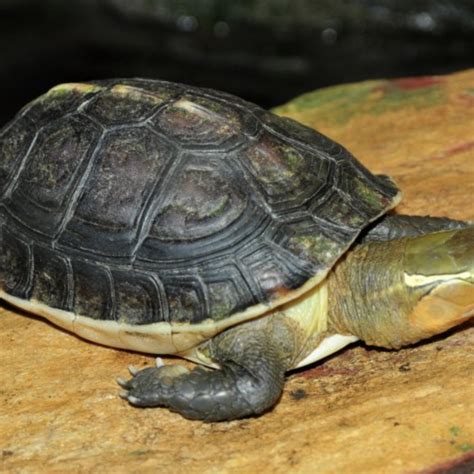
(398, 292)
(253, 358)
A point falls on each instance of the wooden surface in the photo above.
(361, 411)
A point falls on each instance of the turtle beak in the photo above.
(439, 267)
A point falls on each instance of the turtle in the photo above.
(170, 219)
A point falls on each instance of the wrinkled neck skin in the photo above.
(395, 293)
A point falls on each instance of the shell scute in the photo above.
(51, 277)
(310, 244)
(185, 301)
(123, 104)
(53, 167)
(200, 122)
(270, 277)
(305, 136)
(287, 175)
(58, 102)
(224, 298)
(16, 268)
(15, 140)
(137, 299)
(203, 202)
(93, 290)
(120, 185)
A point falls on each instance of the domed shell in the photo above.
(141, 201)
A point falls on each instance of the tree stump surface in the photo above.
(363, 410)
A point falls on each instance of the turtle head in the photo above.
(439, 270)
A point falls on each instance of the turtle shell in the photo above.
(142, 202)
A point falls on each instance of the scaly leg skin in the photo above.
(399, 292)
(253, 358)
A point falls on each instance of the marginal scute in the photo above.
(136, 299)
(337, 209)
(271, 275)
(134, 304)
(369, 197)
(92, 291)
(50, 279)
(17, 263)
(223, 299)
(184, 301)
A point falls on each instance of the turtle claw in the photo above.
(134, 400)
(122, 382)
(125, 395)
(159, 362)
(133, 370)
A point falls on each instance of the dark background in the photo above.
(266, 51)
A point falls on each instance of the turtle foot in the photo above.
(152, 386)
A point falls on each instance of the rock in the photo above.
(362, 410)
